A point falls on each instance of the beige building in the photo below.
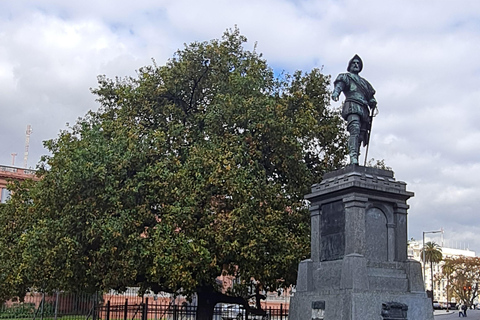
(415, 252)
(12, 173)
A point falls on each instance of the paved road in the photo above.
(453, 314)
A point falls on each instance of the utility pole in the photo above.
(13, 159)
(27, 144)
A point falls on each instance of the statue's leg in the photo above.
(353, 127)
(362, 136)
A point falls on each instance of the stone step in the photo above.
(389, 273)
(387, 279)
(388, 284)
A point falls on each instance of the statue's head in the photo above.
(355, 65)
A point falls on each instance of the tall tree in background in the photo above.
(462, 274)
(189, 171)
(433, 254)
(447, 271)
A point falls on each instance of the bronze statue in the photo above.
(359, 106)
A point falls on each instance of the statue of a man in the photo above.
(358, 108)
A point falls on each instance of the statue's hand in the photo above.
(335, 96)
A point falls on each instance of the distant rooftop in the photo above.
(9, 172)
(446, 251)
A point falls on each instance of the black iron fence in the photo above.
(150, 310)
(127, 306)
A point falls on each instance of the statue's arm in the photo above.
(339, 85)
(372, 102)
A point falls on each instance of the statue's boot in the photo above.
(353, 149)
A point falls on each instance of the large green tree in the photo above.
(15, 221)
(188, 171)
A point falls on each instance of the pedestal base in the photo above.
(353, 289)
(349, 305)
(359, 267)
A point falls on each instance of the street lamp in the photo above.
(423, 249)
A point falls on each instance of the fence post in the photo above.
(281, 311)
(43, 306)
(125, 311)
(56, 305)
(175, 310)
(108, 310)
(156, 307)
(94, 307)
(145, 309)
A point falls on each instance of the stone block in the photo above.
(354, 273)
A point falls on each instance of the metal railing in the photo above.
(125, 306)
(151, 310)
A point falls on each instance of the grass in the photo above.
(30, 317)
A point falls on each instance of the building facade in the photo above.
(415, 252)
(8, 173)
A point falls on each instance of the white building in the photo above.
(415, 252)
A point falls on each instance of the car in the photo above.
(452, 305)
(237, 312)
(232, 312)
(436, 305)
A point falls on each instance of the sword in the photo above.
(367, 138)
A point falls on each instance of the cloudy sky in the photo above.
(422, 57)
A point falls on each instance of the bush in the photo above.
(18, 310)
(26, 310)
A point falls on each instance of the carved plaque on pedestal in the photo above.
(394, 311)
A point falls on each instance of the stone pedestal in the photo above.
(359, 267)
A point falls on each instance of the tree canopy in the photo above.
(462, 274)
(187, 171)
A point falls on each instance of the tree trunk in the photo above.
(431, 274)
(208, 298)
(448, 285)
(206, 305)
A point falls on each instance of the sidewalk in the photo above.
(443, 314)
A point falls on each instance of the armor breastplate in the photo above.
(352, 94)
